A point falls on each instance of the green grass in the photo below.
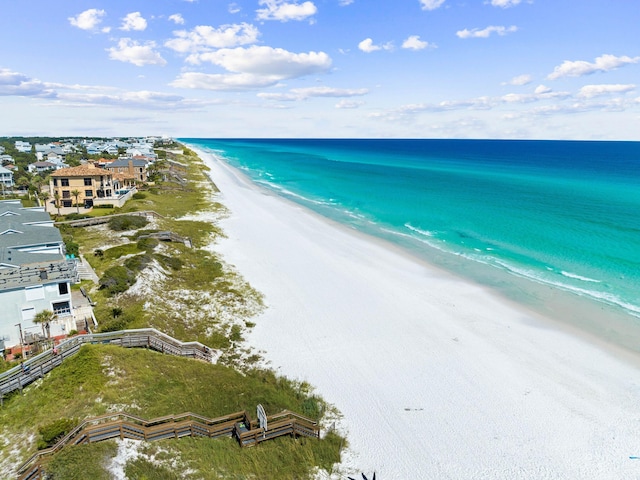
(197, 297)
(149, 384)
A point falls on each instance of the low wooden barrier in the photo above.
(87, 222)
(30, 370)
(122, 425)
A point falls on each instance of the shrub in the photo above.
(54, 431)
(148, 243)
(139, 196)
(138, 263)
(71, 247)
(117, 280)
(127, 222)
(104, 205)
(174, 263)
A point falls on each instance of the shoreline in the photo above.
(405, 351)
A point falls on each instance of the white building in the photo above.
(35, 274)
(24, 147)
(6, 179)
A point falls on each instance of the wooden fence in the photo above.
(30, 370)
(122, 425)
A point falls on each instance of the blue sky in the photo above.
(542, 69)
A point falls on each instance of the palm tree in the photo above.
(44, 318)
(44, 196)
(56, 197)
(23, 184)
(76, 194)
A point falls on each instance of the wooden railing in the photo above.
(86, 222)
(122, 425)
(30, 370)
(284, 423)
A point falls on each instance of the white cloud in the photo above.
(431, 4)
(284, 11)
(221, 82)
(520, 80)
(17, 84)
(540, 94)
(133, 21)
(578, 68)
(413, 42)
(205, 37)
(139, 98)
(262, 60)
(305, 93)
(540, 89)
(486, 32)
(329, 92)
(139, 54)
(505, 3)
(234, 8)
(177, 19)
(252, 67)
(589, 91)
(344, 3)
(348, 104)
(88, 20)
(367, 46)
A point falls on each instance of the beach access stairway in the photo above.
(121, 425)
(34, 368)
(86, 222)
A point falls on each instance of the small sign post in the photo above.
(262, 418)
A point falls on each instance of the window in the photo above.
(61, 308)
(66, 194)
(63, 288)
(88, 193)
(64, 182)
(87, 182)
(55, 182)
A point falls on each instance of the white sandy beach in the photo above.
(435, 377)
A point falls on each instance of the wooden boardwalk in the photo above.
(29, 371)
(122, 425)
(86, 222)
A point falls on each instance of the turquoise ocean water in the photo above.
(561, 214)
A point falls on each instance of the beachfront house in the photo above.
(133, 169)
(35, 274)
(89, 183)
(87, 186)
(6, 179)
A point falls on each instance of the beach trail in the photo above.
(435, 377)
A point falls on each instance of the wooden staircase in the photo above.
(122, 425)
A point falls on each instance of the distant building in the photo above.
(41, 167)
(6, 178)
(4, 159)
(35, 274)
(134, 169)
(24, 147)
